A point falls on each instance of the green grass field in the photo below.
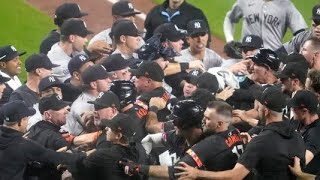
(215, 11)
(23, 26)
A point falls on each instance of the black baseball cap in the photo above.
(205, 81)
(75, 27)
(252, 41)
(316, 12)
(125, 27)
(124, 9)
(294, 70)
(304, 99)
(150, 70)
(195, 27)
(4, 79)
(48, 82)
(170, 31)
(9, 52)
(294, 58)
(266, 57)
(105, 100)
(94, 73)
(14, 111)
(67, 11)
(272, 98)
(53, 102)
(121, 123)
(36, 61)
(115, 62)
(77, 61)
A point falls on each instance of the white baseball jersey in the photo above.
(268, 19)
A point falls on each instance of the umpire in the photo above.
(16, 151)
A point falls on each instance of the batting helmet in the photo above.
(187, 114)
(125, 90)
(266, 57)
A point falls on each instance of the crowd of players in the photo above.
(165, 106)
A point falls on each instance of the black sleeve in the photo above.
(15, 96)
(148, 24)
(36, 152)
(252, 154)
(312, 142)
(58, 141)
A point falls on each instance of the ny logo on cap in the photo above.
(13, 48)
(82, 58)
(197, 25)
(130, 6)
(318, 11)
(249, 39)
(51, 79)
(58, 97)
(100, 95)
(7, 118)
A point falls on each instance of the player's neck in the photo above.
(173, 5)
(309, 120)
(193, 136)
(198, 55)
(66, 47)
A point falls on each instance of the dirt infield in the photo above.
(100, 18)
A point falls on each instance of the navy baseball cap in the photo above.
(170, 31)
(14, 111)
(124, 9)
(121, 123)
(75, 27)
(316, 12)
(53, 102)
(105, 100)
(67, 11)
(48, 82)
(272, 98)
(149, 69)
(294, 70)
(38, 61)
(252, 41)
(9, 52)
(4, 79)
(94, 73)
(115, 62)
(125, 27)
(304, 99)
(196, 27)
(76, 62)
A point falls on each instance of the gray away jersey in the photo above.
(267, 19)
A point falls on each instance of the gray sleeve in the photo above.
(293, 46)
(295, 20)
(235, 14)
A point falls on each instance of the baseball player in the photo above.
(268, 19)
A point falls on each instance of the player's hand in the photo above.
(197, 64)
(63, 149)
(241, 114)
(240, 67)
(130, 168)
(90, 152)
(187, 172)
(225, 93)
(159, 102)
(246, 138)
(100, 47)
(296, 168)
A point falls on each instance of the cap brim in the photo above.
(59, 85)
(55, 65)
(62, 105)
(197, 32)
(134, 71)
(22, 53)
(130, 13)
(109, 123)
(83, 14)
(30, 112)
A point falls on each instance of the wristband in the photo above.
(184, 66)
(154, 109)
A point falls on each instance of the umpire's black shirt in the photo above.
(311, 137)
(273, 150)
(16, 152)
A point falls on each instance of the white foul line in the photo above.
(141, 16)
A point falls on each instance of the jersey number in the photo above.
(238, 149)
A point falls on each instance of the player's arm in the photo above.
(295, 20)
(188, 172)
(233, 16)
(296, 170)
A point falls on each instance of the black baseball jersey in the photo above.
(273, 150)
(311, 134)
(217, 152)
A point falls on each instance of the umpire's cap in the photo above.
(187, 114)
(14, 111)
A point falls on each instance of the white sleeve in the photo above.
(232, 16)
(150, 140)
(295, 20)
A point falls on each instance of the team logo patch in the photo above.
(197, 25)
